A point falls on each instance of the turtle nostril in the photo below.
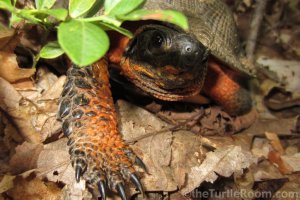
(188, 49)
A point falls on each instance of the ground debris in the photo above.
(34, 189)
(174, 160)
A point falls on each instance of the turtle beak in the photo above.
(191, 52)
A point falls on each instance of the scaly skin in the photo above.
(98, 152)
(222, 87)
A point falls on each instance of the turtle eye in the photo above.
(157, 40)
(156, 44)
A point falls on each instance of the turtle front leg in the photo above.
(221, 86)
(98, 152)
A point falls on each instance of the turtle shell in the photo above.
(212, 22)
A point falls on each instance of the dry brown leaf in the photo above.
(8, 39)
(15, 106)
(210, 121)
(290, 190)
(46, 121)
(278, 99)
(224, 161)
(272, 149)
(54, 164)
(7, 182)
(76, 191)
(45, 79)
(131, 124)
(269, 187)
(9, 97)
(9, 68)
(266, 170)
(187, 152)
(275, 155)
(173, 160)
(24, 84)
(272, 125)
(155, 150)
(275, 158)
(217, 122)
(293, 161)
(9, 137)
(157, 157)
(25, 158)
(34, 111)
(261, 147)
(244, 182)
(243, 140)
(35, 190)
(287, 71)
(51, 161)
(178, 196)
(275, 142)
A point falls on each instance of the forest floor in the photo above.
(228, 156)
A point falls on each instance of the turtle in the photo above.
(162, 60)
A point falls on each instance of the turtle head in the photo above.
(166, 62)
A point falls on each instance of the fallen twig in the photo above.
(178, 126)
(254, 28)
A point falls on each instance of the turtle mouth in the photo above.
(168, 88)
(167, 63)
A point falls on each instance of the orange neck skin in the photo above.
(117, 49)
(222, 86)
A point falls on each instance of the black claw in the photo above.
(102, 189)
(135, 180)
(140, 163)
(121, 191)
(78, 171)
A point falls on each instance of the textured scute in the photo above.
(213, 24)
(86, 109)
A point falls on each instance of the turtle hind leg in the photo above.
(98, 152)
(221, 86)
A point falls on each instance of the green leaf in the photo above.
(121, 30)
(170, 16)
(14, 19)
(6, 5)
(51, 50)
(28, 15)
(79, 7)
(121, 7)
(103, 18)
(44, 4)
(96, 7)
(83, 42)
(6, 2)
(58, 13)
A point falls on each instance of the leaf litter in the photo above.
(185, 151)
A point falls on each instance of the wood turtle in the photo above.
(165, 62)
